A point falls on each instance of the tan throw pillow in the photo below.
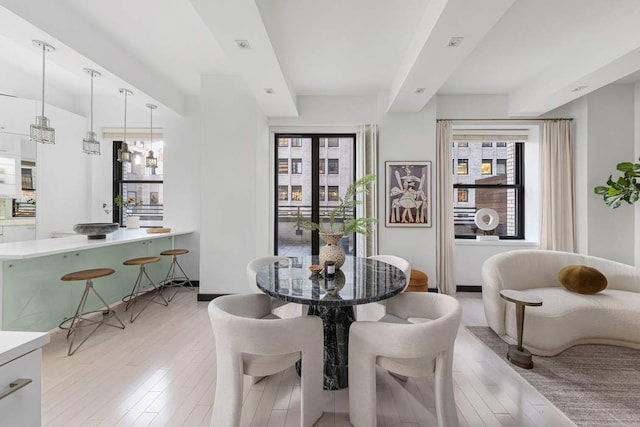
(582, 279)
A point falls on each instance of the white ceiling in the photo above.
(534, 51)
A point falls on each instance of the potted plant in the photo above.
(339, 221)
(625, 188)
(127, 205)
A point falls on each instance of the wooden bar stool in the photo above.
(136, 292)
(78, 320)
(172, 280)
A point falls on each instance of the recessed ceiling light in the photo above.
(455, 41)
(420, 90)
(269, 90)
(579, 88)
(243, 44)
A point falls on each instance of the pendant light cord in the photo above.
(125, 116)
(92, 74)
(44, 48)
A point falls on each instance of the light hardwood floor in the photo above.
(161, 371)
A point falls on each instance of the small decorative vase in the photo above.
(332, 251)
(133, 222)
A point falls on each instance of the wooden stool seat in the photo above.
(141, 261)
(174, 252)
(419, 282)
(87, 274)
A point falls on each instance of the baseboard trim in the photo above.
(461, 288)
(434, 290)
(209, 297)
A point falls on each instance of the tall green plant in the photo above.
(625, 188)
(338, 215)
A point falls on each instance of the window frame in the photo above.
(518, 186)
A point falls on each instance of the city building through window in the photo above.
(283, 192)
(296, 193)
(481, 185)
(283, 166)
(296, 166)
(333, 166)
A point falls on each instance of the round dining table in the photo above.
(358, 281)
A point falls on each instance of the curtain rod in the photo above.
(501, 120)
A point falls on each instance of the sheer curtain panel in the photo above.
(557, 227)
(445, 237)
(367, 155)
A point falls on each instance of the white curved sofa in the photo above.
(566, 318)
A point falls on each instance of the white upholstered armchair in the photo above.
(248, 344)
(410, 349)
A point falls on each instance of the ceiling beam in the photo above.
(429, 62)
(602, 57)
(69, 28)
(232, 20)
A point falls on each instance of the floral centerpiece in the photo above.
(340, 221)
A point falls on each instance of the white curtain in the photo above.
(557, 226)
(367, 155)
(445, 236)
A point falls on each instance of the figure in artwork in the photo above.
(409, 202)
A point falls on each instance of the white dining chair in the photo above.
(409, 350)
(252, 272)
(248, 344)
(376, 310)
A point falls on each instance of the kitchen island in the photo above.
(34, 299)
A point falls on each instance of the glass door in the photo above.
(312, 172)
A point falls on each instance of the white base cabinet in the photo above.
(21, 378)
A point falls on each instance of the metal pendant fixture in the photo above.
(151, 161)
(41, 131)
(90, 144)
(124, 155)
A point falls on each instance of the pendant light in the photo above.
(124, 155)
(151, 161)
(90, 144)
(40, 131)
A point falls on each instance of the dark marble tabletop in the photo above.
(358, 281)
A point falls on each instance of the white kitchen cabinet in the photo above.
(18, 233)
(21, 378)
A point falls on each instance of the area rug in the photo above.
(594, 385)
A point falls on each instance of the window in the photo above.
(486, 166)
(333, 166)
(479, 188)
(296, 193)
(322, 194)
(296, 166)
(283, 142)
(463, 166)
(332, 142)
(501, 144)
(283, 193)
(296, 142)
(283, 166)
(140, 184)
(501, 166)
(487, 144)
(321, 167)
(463, 144)
(333, 193)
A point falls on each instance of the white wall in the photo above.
(408, 137)
(610, 141)
(233, 133)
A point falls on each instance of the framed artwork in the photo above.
(408, 194)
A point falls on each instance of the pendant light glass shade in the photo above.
(124, 155)
(151, 161)
(41, 131)
(90, 144)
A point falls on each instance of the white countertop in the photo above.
(17, 221)
(16, 344)
(42, 247)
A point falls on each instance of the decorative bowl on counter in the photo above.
(96, 230)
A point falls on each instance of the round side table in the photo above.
(519, 355)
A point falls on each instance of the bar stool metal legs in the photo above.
(138, 293)
(171, 280)
(79, 320)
